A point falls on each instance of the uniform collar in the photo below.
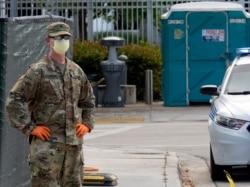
(51, 62)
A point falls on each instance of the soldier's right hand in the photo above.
(41, 132)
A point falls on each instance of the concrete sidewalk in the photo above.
(142, 167)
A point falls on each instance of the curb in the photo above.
(172, 170)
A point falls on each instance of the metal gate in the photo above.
(93, 19)
(134, 20)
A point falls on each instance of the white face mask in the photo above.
(61, 46)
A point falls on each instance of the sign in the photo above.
(176, 21)
(237, 20)
(213, 35)
(178, 33)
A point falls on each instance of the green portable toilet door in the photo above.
(207, 46)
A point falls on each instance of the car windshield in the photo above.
(239, 81)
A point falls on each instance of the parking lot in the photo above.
(139, 144)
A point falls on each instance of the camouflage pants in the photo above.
(53, 164)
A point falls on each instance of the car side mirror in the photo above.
(211, 90)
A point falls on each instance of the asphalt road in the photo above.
(135, 142)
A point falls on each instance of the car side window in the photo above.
(239, 79)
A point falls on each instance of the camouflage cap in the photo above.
(58, 28)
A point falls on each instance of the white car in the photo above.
(229, 120)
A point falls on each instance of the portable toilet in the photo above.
(199, 40)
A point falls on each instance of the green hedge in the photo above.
(88, 55)
(141, 57)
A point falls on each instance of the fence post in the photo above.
(149, 87)
(90, 20)
(150, 21)
(13, 8)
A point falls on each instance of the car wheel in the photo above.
(217, 171)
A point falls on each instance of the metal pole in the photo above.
(13, 8)
(150, 21)
(3, 10)
(90, 20)
(149, 87)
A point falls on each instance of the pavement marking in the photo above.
(119, 120)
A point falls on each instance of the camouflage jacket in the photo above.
(59, 100)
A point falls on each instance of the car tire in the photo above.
(217, 171)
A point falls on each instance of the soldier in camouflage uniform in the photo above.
(53, 105)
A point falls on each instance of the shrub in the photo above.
(141, 57)
(89, 55)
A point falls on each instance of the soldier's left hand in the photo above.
(81, 130)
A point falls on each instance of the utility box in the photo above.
(199, 40)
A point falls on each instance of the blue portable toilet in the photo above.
(199, 40)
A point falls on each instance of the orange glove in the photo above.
(41, 132)
(81, 130)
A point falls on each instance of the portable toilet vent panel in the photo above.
(199, 40)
